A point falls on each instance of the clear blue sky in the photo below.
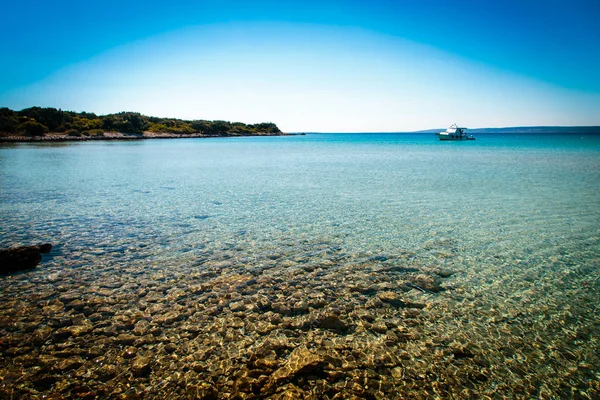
(378, 65)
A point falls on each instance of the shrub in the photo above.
(33, 128)
(95, 132)
(73, 132)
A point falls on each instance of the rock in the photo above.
(301, 361)
(202, 390)
(76, 305)
(291, 392)
(67, 364)
(168, 318)
(427, 283)
(125, 339)
(40, 335)
(170, 348)
(391, 298)
(81, 329)
(141, 327)
(398, 373)
(129, 352)
(106, 372)
(333, 323)
(22, 258)
(237, 306)
(43, 382)
(379, 327)
(141, 366)
(62, 334)
(265, 359)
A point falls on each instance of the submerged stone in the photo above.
(141, 366)
(332, 322)
(22, 258)
(301, 361)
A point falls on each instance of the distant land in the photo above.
(44, 124)
(511, 129)
(527, 129)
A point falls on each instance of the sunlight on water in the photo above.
(475, 263)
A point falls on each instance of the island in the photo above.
(51, 124)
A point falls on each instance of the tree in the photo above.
(266, 127)
(52, 118)
(38, 121)
(33, 128)
(200, 126)
(8, 120)
(219, 128)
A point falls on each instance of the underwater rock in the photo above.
(391, 298)
(272, 329)
(67, 364)
(106, 372)
(202, 390)
(22, 258)
(141, 366)
(81, 329)
(301, 361)
(168, 318)
(43, 381)
(333, 323)
(40, 335)
(426, 283)
(125, 339)
(170, 348)
(129, 352)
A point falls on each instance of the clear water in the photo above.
(515, 217)
(369, 193)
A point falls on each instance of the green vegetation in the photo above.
(38, 121)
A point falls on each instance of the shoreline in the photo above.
(109, 136)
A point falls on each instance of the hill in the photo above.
(38, 121)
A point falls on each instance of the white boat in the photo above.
(455, 133)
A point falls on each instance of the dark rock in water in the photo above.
(22, 258)
(141, 366)
(333, 323)
(379, 257)
(44, 382)
(402, 269)
(427, 283)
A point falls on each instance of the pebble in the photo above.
(312, 323)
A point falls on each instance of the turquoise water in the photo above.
(370, 193)
(515, 218)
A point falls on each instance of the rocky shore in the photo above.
(57, 137)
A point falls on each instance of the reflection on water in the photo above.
(331, 266)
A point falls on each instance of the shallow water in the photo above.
(210, 244)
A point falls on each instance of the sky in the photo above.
(309, 66)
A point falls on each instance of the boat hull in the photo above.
(455, 138)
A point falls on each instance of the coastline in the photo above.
(108, 136)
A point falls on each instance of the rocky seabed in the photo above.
(310, 322)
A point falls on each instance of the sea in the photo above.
(496, 241)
